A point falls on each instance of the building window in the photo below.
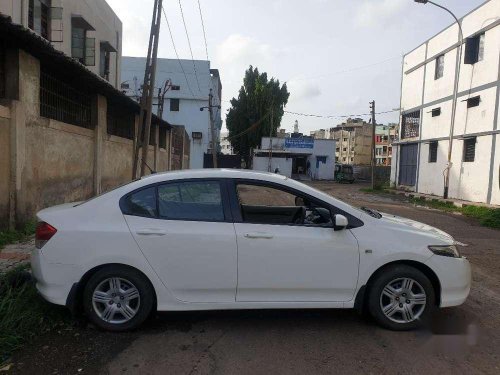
(38, 17)
(120, 122)
(175, 87)
(410, 124)
(473, 102)
(436, 112)
(433, 148)
(82, 47)
(104, 64)
(64, 101)
(162, 142)
(174, 105)
(469, 149)
(474, 49)
(439, 67)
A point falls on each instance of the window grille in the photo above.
(469, 149)
(410, 125)
(120, 122)
(433, 147)
(63, 102)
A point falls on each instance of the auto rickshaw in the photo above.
(344, 173)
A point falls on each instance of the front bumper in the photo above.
(53, 280)
(454, 276)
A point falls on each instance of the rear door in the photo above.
(185, 230)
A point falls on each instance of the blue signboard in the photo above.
(299, 142)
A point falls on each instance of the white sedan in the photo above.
(228, 239)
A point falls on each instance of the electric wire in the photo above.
(189, 44)
(203, 27)
(175, 50)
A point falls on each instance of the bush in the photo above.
(23, 313)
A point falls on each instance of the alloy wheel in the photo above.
(403, 300)
(116, 300)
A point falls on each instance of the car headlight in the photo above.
(445, 250)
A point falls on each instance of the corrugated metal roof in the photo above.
(17, 36)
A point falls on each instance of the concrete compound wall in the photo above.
(44, 162)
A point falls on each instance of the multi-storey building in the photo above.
(189, 85)
(429, 74)
(353, 142)
(88, 31)
(384, 137)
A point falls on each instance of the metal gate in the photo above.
(408, 164)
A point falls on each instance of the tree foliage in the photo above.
(257, 111)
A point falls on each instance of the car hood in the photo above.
(397, 222)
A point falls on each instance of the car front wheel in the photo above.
(401, 298)
(118, 298)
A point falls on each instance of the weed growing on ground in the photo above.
(23, 313)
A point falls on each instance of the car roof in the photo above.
(213, 173)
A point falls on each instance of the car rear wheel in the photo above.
(118, 298)
(401, 298)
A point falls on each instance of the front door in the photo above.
(408, 164)
(288, 250)
(185, 231)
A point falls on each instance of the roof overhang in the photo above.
(77, 20)
(106, 46)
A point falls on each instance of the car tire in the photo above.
(401, 298)
(118, 298)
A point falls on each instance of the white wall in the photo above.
(468, 181)
(192, 97)
(261, 163)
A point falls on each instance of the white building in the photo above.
(88, 31)
(293, 155)
(189, 91)
(225, 146)
(420, 158)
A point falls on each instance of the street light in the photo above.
(446, 172)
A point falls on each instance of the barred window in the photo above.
(410, 124)
(439, 67)
(433, 147)
(469, 150)
(63, 102)
(163, 137)
(120, 122)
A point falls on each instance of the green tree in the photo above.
(257, 111)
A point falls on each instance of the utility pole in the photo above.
(212, 130)
(147, 94)
(374, 125)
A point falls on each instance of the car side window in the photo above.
(191, 200)
(141, 203)
(261, 204)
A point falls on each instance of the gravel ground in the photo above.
(465, 339)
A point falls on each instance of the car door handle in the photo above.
(259, 235)
(151, 232)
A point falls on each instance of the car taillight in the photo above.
(44, 232)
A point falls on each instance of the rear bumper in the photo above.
(455, 278)
(53, 281)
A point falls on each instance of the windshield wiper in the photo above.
(372, 213)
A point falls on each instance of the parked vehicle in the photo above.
(344, 173)
(230, 239)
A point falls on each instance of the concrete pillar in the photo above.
(27, 70)
(100, 132)
(169, 148)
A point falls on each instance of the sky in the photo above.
(335, 55)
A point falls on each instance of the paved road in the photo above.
(463, 340)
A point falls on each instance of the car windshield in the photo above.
(105, 192)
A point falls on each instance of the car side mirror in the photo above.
(341, 222)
